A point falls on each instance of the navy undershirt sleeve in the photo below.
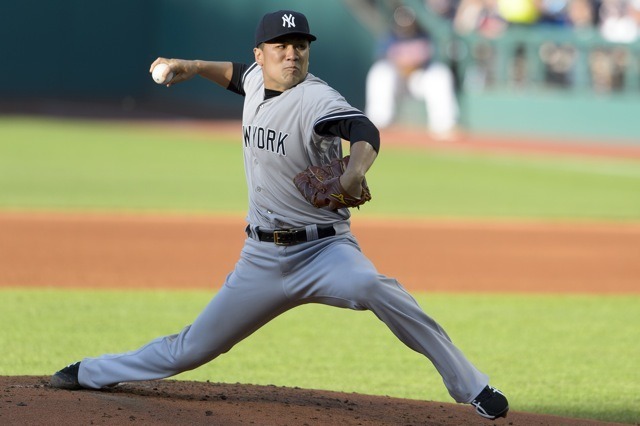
(353, 129)
(235, 85)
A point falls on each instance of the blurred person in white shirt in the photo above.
(620, 20)
(406, 65)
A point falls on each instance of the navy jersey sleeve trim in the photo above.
(338, 116)
(248, 70)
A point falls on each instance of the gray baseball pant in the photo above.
(267, 281)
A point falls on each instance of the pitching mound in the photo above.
(28, 400)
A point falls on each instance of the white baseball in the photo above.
(161, 75)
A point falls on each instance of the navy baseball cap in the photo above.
(280, 23)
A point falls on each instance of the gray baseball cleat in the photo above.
(491, 403)
(67, 378)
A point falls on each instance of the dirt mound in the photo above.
(28, 400)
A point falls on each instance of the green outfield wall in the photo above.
(91, 50)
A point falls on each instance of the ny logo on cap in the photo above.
(289, 20)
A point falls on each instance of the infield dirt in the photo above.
(28, 401)
(197, 252)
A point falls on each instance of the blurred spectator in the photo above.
(406, 65)
(581, 14)
(554, 12)
(520, 12)
(619, 20)
(479, 16)
(445, 9)
(560, 58)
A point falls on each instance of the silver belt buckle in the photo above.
(280, 237)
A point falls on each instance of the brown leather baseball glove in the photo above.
(320, 185)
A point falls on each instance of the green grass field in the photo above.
(565, 355)
(571, 355)
(67, 165)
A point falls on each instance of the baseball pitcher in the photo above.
(299, 248)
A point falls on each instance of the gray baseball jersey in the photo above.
(279, 140)
(278, 144)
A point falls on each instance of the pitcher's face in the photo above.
(284, 62)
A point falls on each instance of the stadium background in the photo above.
(63, 54)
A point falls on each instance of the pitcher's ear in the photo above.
(259, 55)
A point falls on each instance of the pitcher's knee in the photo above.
(191, 357)
(187, 354)
(190, 360)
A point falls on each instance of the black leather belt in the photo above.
(288, 237)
